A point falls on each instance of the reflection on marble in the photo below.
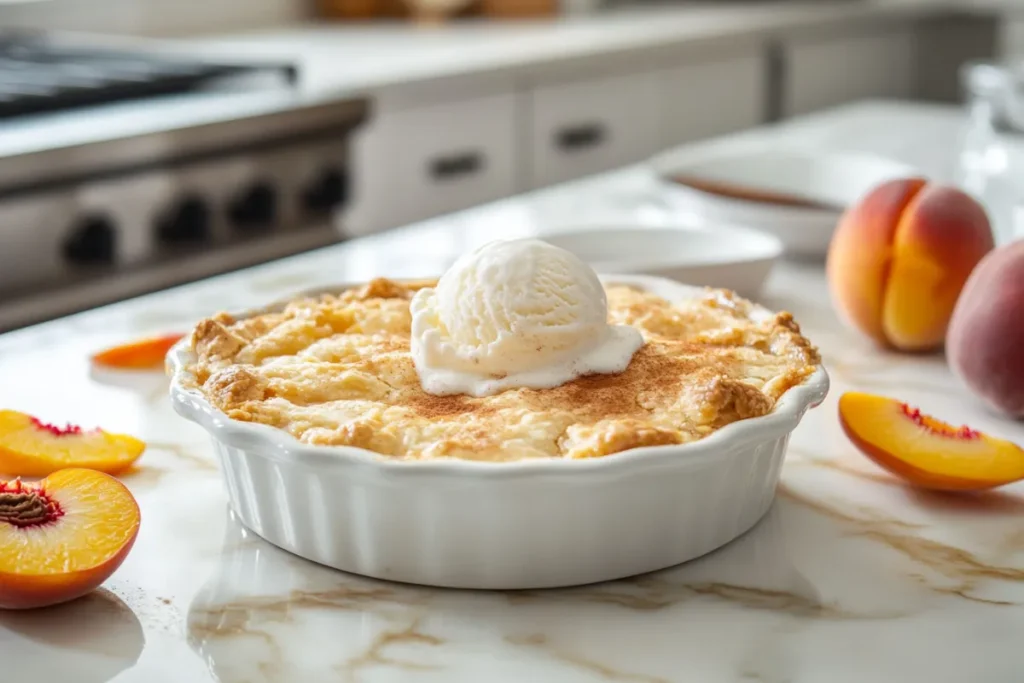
(851, 577)
(246, 620)
(97, 637)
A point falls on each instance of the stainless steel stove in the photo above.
(122, 173)
(39, 73)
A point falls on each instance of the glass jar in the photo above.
(991, 161)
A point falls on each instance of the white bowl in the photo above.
(726, 257)
(835, 179)
(525, 524)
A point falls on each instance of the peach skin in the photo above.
(899, 258)
(31, 448)
(63, 537)
(924, 451)
(985, 345)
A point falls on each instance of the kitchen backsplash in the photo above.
(152, 17)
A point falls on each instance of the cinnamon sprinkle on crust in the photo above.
(336, 370)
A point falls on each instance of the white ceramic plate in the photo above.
(728, 257)
(521, 524)
(835, 179)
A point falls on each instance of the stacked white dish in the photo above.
(729, 257)
(825, 182)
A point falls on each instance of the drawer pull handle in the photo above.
(580, 137)
(456, 165)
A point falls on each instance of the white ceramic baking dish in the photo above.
(525, 524)
(833, 178)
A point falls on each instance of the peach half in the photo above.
(924, 451)
(32, 448)
(899, 258)
(63, 537)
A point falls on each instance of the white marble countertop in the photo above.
(851, 578)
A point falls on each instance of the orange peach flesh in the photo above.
(927, 452)
(30, 448)
(66, 550)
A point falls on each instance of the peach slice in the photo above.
(143, 354)
(31, 448)
(63, 537)
(925, 451)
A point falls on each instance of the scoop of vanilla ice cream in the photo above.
(520, 313)
(514, 306)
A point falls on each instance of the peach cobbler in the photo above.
(339, 370)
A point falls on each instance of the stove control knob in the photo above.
(328, 191)
(255, 209)
(91, 241)
(187, 222)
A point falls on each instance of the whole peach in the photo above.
(985, 347)
(899, 258)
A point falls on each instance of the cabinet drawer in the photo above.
(590, 126)
(712, 98)
(414, 164)
(842, 69)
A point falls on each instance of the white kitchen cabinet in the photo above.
(828, 71)
(416, 163)
(587, 126)
(710, 98)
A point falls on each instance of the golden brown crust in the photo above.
(212, 339)
(336, 370)
(235, 385)
(614, 436)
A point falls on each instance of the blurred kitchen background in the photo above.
(145, 143)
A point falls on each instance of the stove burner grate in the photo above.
(38, 75)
